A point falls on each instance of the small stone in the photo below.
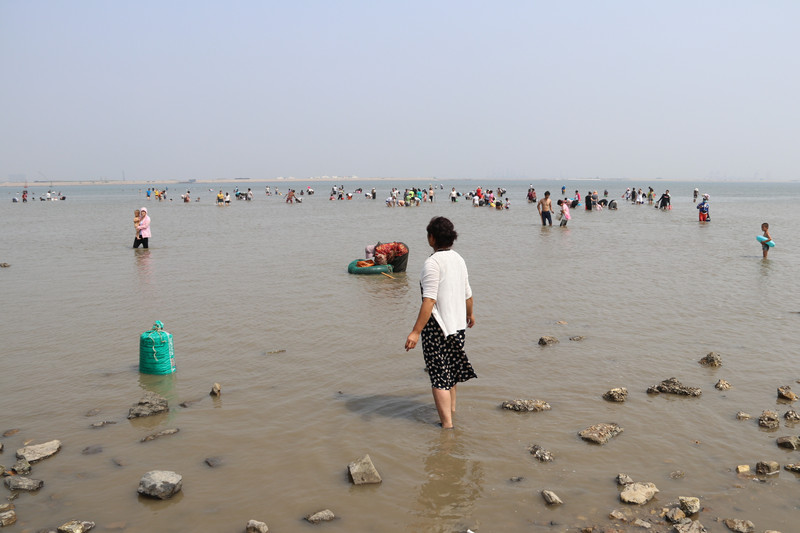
(689, 504)
(692, 526)
(793, 467)
(541, 454)
(91, 450)
(624, 479)
(119, 461)
(363, 472)
(619, 394)
(23, 483)
(673, 386)
(722, 385)
(516, 479)
(577, 338)
(767, 468)
(638, 493)
(601, 433)
(641, 523)
(675, 515)
(75, 526)
(785, 393)
(739, 526)
(547, 340)
(93, 412)
(162, 433)
(21, 467)
(792, 443)
(213, 462)
(96, 425)
(161, 484)
(742, 469)
(216, 390)
(38, 452)
(254, 526)
(741, 415)
(321, 516)
(8, 516)
(769, 420)
(10, 432)
(535, 406)
(712, 359)
(562, 322)
(617, 515)
(551, 498)
(150, 404)
(791, 416)
(677, 474)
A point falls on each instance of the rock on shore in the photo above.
(161, 484)
(638, 493)
(23, 483)
(37, 452)
(739, 526)
(75, 526)
(551, 498)
(7, 514)
(535, 406)
(325, 515)
(254, 526)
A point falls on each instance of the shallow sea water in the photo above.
(314, 373)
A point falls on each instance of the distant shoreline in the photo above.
(153, 183)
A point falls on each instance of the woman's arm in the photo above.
(425, 311)
(470, 316)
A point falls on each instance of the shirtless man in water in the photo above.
(545, 207)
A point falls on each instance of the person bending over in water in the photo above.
(444, 315)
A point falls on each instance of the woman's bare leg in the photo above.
(453, 399)
(442, 399)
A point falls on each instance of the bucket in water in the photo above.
(156, 354)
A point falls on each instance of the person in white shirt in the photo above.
(444, 315)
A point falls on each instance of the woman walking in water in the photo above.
(143, 237)
(444, 315)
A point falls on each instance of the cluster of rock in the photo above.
(673, 386)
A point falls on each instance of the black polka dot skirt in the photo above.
(445, 357)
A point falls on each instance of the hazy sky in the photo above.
(495, 89)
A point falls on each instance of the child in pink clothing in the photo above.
(564, 214)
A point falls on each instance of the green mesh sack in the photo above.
(156, 354)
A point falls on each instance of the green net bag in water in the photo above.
(156, 354)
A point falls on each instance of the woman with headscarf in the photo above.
(144, 229)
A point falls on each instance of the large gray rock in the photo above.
(254, 526)
(547, 340)
(689, 504)
(600, 433)
(638, 493)
(769, 419)
(673, 386)
(321, 516)
(793, 443)
(540, 453)
(526, 405)
(23, 483)
(551, 498)
(150, 404)
(37, 452)
(739, 526)
(161, 484)
(363, 472)
(712, 359)
(75, 526)
(619, 394)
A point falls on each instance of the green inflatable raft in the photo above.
(353, 268)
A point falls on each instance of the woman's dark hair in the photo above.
(443, 232)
